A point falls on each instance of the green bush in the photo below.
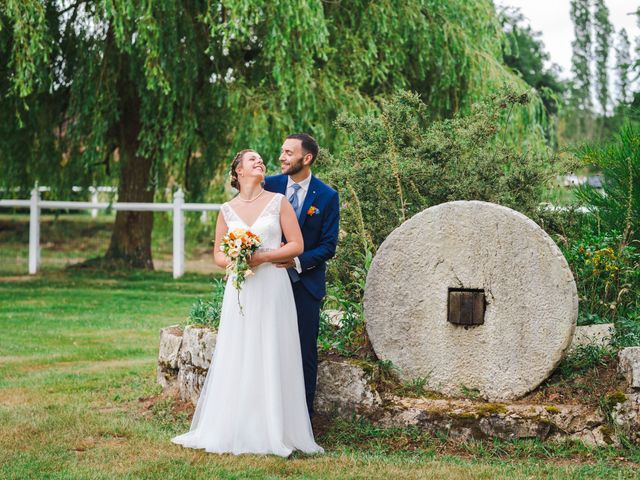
(617, 205)
(207, 312)
(349, 337)
(607, 275)
(399, 162)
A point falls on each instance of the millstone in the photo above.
(500, 346)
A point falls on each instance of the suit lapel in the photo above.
(283, 185)
(308, 200)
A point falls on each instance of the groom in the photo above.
(318, 210)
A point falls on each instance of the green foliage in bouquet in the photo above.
(399, 162)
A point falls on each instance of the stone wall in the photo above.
(626, 411)
(345, 389)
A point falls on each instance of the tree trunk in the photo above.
(131, 237)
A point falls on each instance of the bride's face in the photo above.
(251, 166)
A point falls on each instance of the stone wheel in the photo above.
(530, 300)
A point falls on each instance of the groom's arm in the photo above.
(326, 248)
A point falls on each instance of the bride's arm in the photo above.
(219, 257)
(293, 234)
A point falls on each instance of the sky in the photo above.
(551, 17)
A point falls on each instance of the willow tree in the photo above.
(157, 92)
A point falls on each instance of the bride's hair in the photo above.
(236, 161)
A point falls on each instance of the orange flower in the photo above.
(312, 210)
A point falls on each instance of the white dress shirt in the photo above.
(302, 194)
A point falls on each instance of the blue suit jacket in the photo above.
(319, 231)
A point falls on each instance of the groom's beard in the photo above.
(294, 167)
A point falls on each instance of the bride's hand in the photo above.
(257, 258)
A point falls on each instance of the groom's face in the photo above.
(292, 156)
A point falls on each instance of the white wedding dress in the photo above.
(253, 398)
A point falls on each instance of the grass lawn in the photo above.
(78, 400)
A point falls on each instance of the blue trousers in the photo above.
(308, 309)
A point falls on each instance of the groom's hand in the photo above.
(287, 264)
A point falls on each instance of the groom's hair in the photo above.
(309, 144)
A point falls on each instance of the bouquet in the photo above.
(238, 245)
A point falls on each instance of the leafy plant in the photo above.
(207, 312)
(585, 357)
(607, 274)
(347, 338)
(415, 387)
(617, 206)
(400, 161)
(627, 331)
(472, 393)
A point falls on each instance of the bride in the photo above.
(253, 398)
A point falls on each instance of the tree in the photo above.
(525, 53)
(623, 66)
(603, 31)
(580, 97)
(150, 93)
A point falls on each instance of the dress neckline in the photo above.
(259, 215)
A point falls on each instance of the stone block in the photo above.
(343, 389)
(170, 342)
(626, 414)
(197, 346)
(599, 335)
(168, 356)
(629, 366)
(334, 317)
(190, 381)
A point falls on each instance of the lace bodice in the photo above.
(267, 225)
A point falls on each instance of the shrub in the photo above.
(207, 312)
(607, 275)
(348, 338)
(398, 162)
(617, 205)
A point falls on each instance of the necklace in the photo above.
(251, 199)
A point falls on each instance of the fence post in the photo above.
(94, 199)
(34, 232)
(178, 234)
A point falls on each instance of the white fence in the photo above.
(35, 204)
(178, 207)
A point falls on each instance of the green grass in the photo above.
(78, 400)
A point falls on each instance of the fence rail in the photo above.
(177, 207)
